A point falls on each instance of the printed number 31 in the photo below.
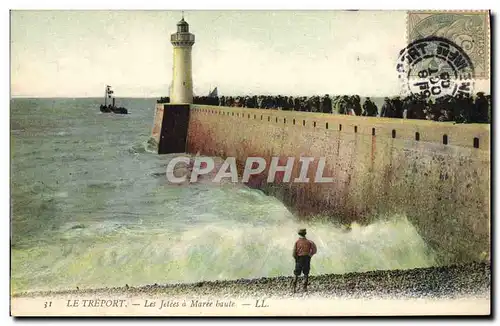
(48, 304)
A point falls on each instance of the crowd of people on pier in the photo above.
(463, 108)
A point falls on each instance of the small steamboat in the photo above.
(111, 107)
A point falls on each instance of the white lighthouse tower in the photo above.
(181, 90)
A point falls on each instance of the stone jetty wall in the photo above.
(438, 174)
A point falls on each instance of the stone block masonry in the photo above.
(437, 174)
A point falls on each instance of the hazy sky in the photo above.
(76, 53)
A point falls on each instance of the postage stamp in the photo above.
(469, 30)
(249, 163)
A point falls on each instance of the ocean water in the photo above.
(91, 207)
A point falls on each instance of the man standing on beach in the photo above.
(303, 250)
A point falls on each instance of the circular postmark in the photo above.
(434, 67)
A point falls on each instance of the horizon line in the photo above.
(156, 96)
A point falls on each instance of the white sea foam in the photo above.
(110, 254)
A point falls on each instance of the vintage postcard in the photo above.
(250, 163)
